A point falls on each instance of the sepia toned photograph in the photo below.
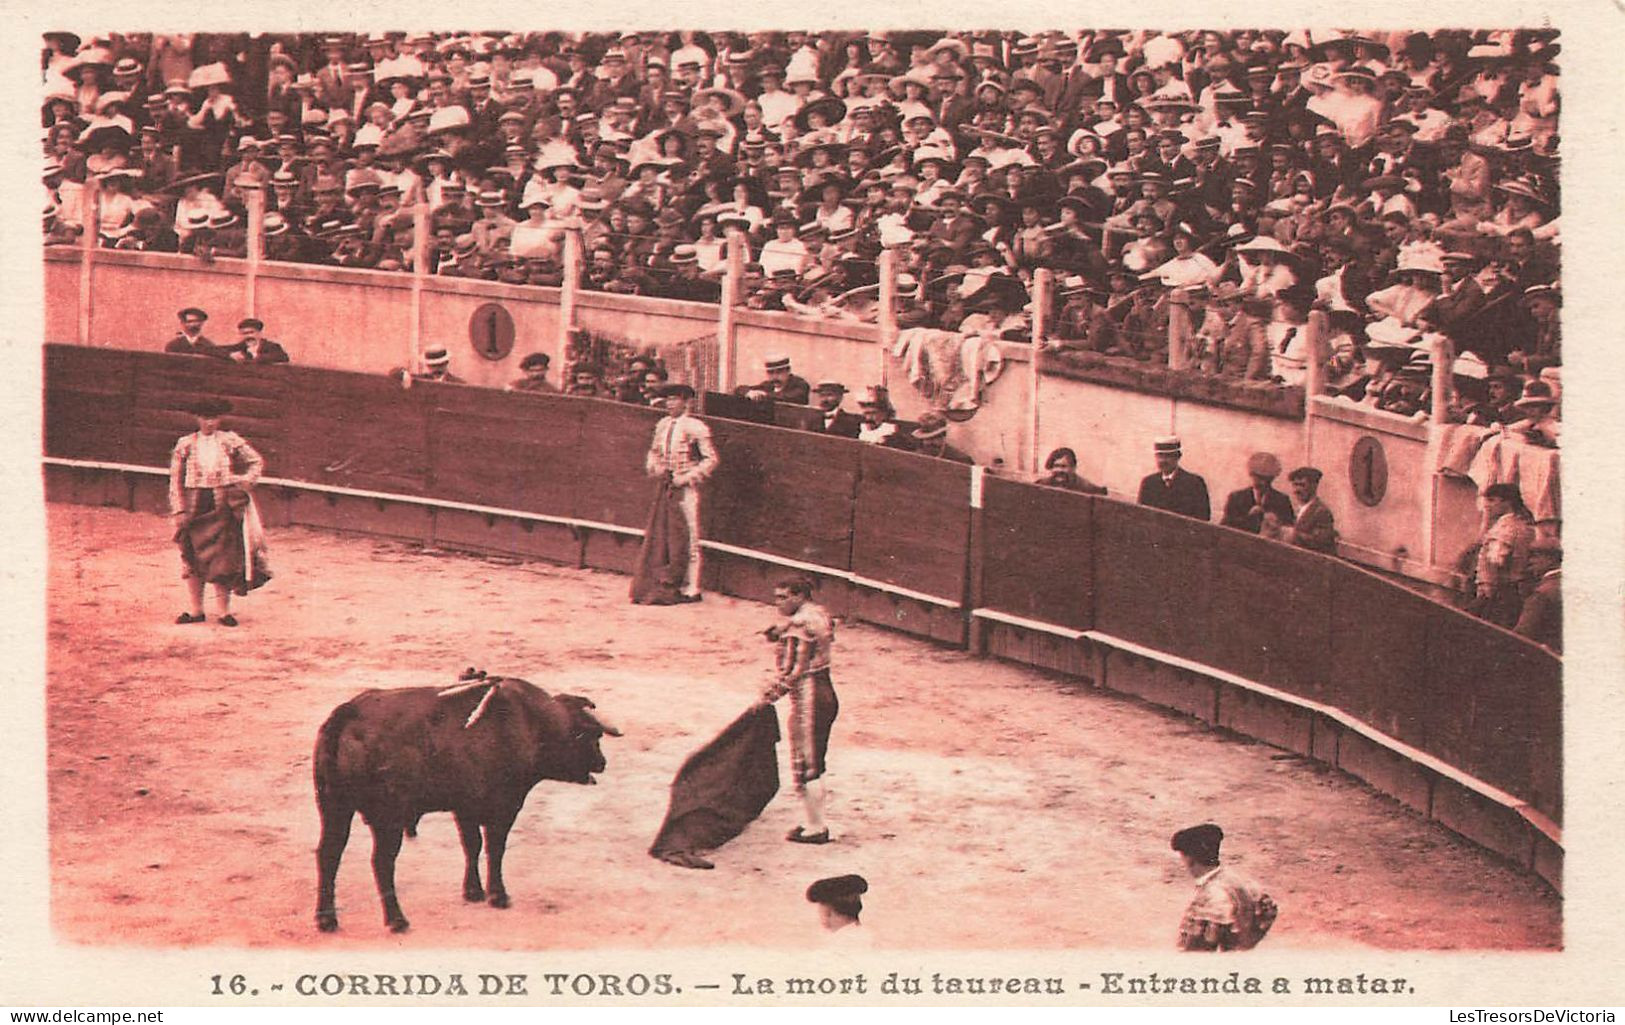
(1075, 489)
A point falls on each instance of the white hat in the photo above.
(1424, 257)
(436, 357)
(1390, 333)
(448, 118)
(207, 75)
(1263, 244)
(1470, 364)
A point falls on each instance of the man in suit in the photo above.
(254, 347)
(1109, 83)
(1173, 488)
(1542, 617)
(190, 340)
(1245, 509)
(781, 385)
(1314, 528)
(955, 229)
(930, 438)
(837, 421)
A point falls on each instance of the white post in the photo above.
(888, 312)
(256, 241)
(420, 271)
(726, 356)
(1314, 380)
(1444, 358)
(90, 218)
(1043, 288)
(570, 289)
(1179, 331)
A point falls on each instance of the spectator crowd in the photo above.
(1403, 183)
(1402, 186)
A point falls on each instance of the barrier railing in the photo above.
(934, 547)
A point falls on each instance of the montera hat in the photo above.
(837, 889)
(1200, 842)
(211, 407)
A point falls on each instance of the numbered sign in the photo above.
(490, 332)
(1368, 471)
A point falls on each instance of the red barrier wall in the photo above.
(1379, 650)
(89, 401)
(356, 431)
(1038, 553)
(1269, 617)
(911, 522)
(788, 493)
(1153, 575)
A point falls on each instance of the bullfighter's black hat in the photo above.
(1200, 842)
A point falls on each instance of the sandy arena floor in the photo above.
(990, 806)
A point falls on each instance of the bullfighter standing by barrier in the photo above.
(217, 525)
(805, 639)
(683, 457)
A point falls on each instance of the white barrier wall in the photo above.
(363, 321)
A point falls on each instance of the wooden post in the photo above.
(570, 289)
(1179, 331)
(887, 312)
(256, 243)
(726, 356)
(420, 271)
(89, 238)
(1043, 289)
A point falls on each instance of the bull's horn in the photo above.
(609, 730)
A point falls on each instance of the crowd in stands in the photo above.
(1400, 187)
(1405, 183)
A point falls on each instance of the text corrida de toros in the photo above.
(555, 984)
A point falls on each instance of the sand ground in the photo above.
(991, 806)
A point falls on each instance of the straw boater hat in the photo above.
(207, 75)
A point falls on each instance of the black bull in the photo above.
(477, 751)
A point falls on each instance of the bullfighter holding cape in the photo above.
(681, 457)
(726, 784)
(217, 525)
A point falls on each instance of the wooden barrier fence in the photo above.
(1455, 717)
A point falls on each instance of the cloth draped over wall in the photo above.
(947, 367)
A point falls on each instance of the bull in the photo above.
(475, 750)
